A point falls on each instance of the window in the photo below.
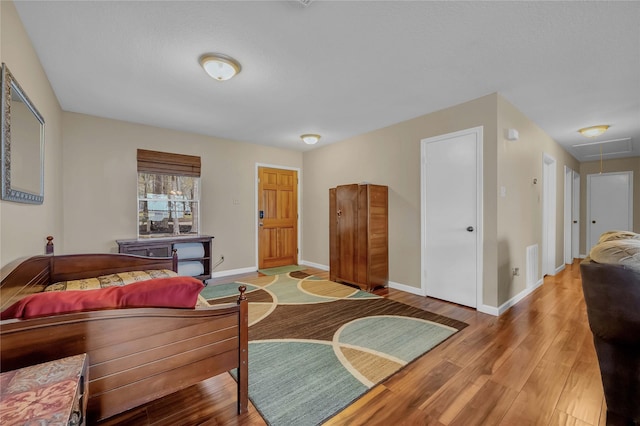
(168, 194)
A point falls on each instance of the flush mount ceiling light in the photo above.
(593, 131)
(221, 67)
(310, 139)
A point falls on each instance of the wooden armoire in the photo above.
(358, 235)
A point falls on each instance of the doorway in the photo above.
(451, 217)
(571, 215)
(609, 204)
(277, 217)
(576, 215)
(548, 215)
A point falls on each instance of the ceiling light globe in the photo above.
(310, 139)
(593, 131)
(220, 67)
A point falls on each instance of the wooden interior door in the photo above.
(277, 217)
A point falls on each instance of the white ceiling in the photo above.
(343, 68)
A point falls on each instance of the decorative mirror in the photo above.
(22, 145)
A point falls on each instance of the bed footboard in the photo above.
(137, 355)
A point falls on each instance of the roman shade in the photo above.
(167, 163)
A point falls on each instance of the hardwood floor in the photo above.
(534, 365)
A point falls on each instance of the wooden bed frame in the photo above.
(135, 355)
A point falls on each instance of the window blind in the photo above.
(167, 163)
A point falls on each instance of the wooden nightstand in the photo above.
(45, 394)
(163, 246)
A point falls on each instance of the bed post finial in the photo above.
(174, 261)
(242, 296)
(48, 249)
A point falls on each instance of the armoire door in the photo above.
(347, 231)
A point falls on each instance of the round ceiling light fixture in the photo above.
(593, 131)
(219, 66)
(310, 138)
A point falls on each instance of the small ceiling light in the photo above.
(593, 131)
(310, 139)
(221, 67)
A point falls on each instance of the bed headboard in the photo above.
(31, 276)
(35, 273)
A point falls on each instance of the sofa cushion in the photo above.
(624, 252)
(174, 292)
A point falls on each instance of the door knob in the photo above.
(575, 221)
(593, 221)
(470, 228)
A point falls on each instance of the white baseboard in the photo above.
(485, 309)
(238, 271)
(314, 265)
(248, 269)
(490, 310)
(518, 297)
(406, 288)
(560, 268)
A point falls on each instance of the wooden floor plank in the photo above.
(413, 387)
(487, 407)
(583, 392)
(560, 418)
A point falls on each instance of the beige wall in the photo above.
(24, 227)
(618, 165)
(391, 156)
(100, 183)
(520, 211)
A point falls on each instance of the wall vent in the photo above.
(532, 265)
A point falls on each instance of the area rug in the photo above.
(280, 270)
(315, 346)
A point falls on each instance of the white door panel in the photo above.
(610, 204)
(450, 217)
(575, 212)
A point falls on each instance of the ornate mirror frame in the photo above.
(22, 145)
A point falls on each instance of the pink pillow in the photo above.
(174, 292)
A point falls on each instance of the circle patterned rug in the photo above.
(315, 346)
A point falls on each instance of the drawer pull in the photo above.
(75, 419)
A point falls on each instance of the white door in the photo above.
(451, 217)
(575, 212)
(609, 204)
(568, 206)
